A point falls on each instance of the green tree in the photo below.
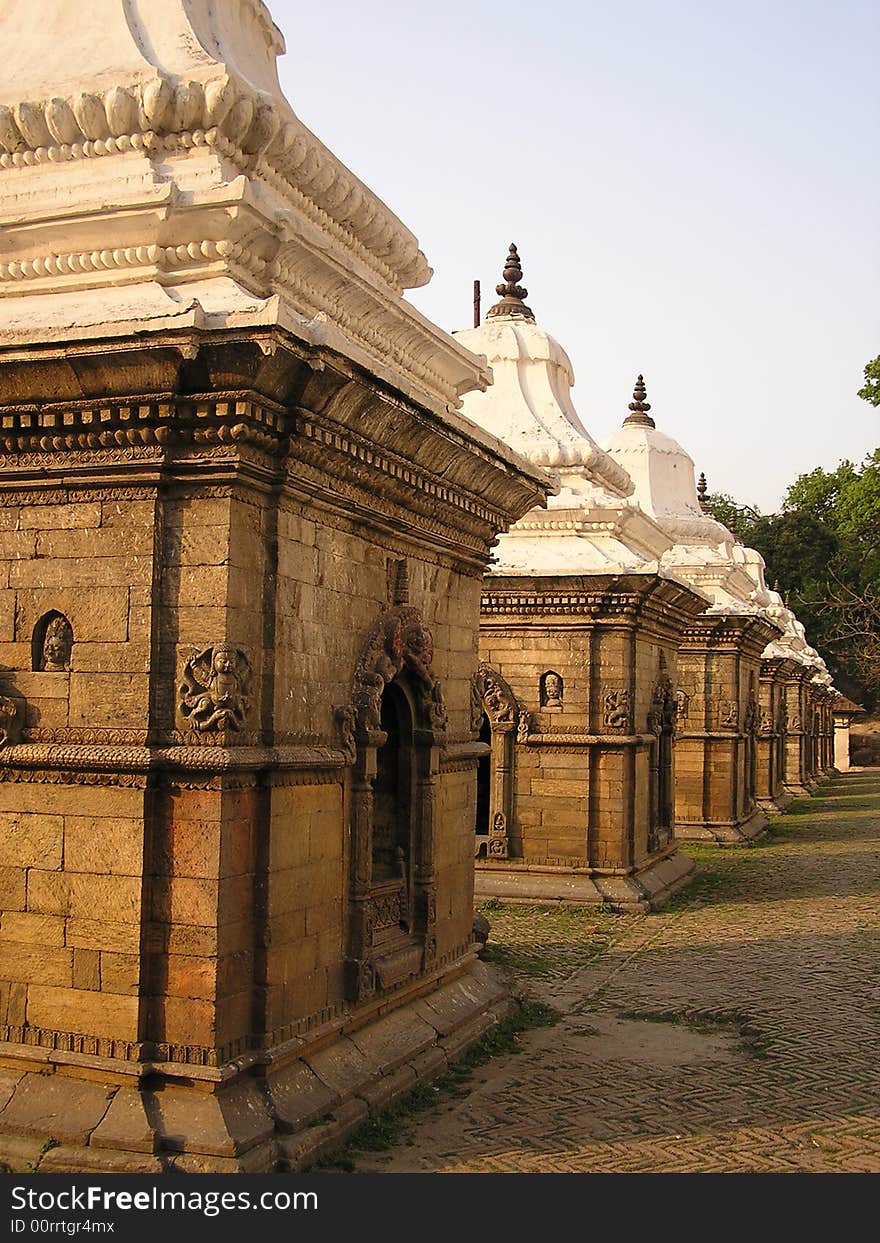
(871, 390)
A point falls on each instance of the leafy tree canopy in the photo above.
(823, 548)
(871, 390)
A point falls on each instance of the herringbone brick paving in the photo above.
(736, 1031)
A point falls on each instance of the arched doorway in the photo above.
(392, 730)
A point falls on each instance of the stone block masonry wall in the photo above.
(717, 760)
(591, 791)
(71, 872)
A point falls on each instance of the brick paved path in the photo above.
(736, 1032)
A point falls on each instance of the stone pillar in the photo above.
(842, 711)
(771, 794)
(586, 665)
(717, 756)
(796, 770)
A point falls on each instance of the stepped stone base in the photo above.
(772, 806)
(730, 834)
(523, 883)
(283, 1117)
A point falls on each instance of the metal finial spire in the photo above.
(702, 489)
(639, 408)
(776, 586)
(511, 292)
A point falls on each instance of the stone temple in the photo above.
(243, 532)
(306, 603)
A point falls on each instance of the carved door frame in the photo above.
(492, 695)
(398, 650)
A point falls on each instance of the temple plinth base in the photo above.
(283, 1115)
(524, 883)
(731, 834)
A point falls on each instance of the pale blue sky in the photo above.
(693, 188)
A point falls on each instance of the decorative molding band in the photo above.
(147, 425)
(214, 761)
(588, 740)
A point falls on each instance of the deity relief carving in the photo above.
(661, 718)
(765, 722)
(729, 714)
(213, 694)
(752, 715)
(615, 711)
(10, 722)
(682, 704)
(551, 690)
(496, 847)
(793, 722)
(523, 722)
(496, 698)
(53, 643)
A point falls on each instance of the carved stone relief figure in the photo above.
(682, 704)
(730, 714)
(214, 689)
(551, 690)
(10, 722)
(494, 696)
(57, 643)
(615, 711)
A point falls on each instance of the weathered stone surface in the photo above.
(66, 1159)
(226, 1123)
(299, 1097)
(125, 1126)
(56, 1107)
(392, 1040)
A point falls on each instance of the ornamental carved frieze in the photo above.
(728, 715)
(213, 696)
(616, 711)
(399, 643)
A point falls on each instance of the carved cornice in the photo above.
(631, 600)
(141, 422)
(365, 457)
(256, 132)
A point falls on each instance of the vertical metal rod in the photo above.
(476, 304)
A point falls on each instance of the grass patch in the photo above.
(714, 869)
(550, 940)
(387, 1129)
